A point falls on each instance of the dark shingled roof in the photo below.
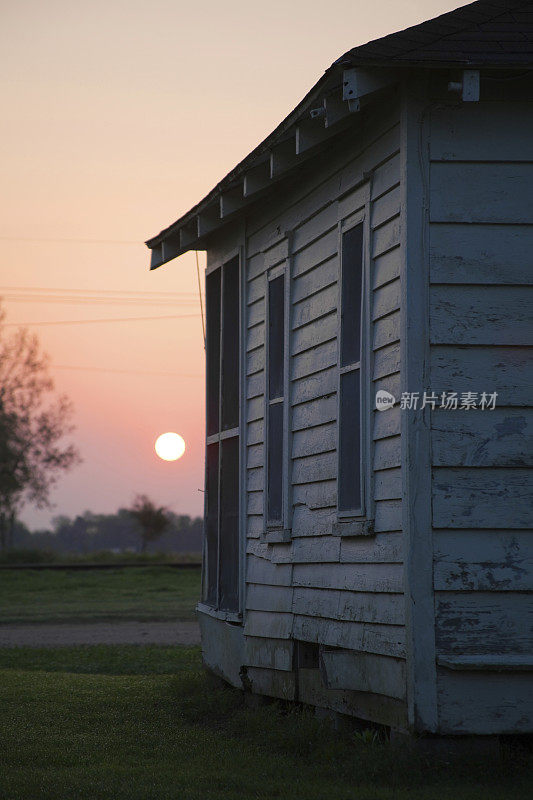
(490, 33)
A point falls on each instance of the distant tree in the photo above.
(152, 519)
(33, 423)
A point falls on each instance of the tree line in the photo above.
(118, 532)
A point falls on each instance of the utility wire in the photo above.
(83, 300)
(68, 241)
(127, 292)
(91, 321)
(200, 295)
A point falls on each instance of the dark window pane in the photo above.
(276, 335)
(350, 443)
(211, 526)
(213, 350)
(352, 272)
(229, 525)
(230, 346)
(275, 463)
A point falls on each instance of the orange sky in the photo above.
(118, 116)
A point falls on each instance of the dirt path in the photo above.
(56, 635)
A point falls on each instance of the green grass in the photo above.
(35, 556)
(136, 723)
(143, 593)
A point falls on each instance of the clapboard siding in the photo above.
(480, 245)
(358, 602)
(475, 438)
(480, 622)
(484, 702)
(385, 609)
(483, 560)
(504, 370)
(481, 315)
(482, 498)
(481, 192)
(482, 254)
(455, 132)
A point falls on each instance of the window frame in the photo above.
(278, 530)
(218, 438)
(364, 366)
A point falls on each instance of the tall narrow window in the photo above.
(221, 563)
(350, 496)
(275, 400)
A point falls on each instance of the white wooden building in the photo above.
(378, 563)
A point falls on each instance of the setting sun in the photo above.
(170, 446)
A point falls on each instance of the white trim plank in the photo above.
(505, 370)
(481, 192)
(415, 455)
(499, 438)
(481, 254)
(483, 560)
(488, 315)
(482, 498)
(484, 703)
(483, 623)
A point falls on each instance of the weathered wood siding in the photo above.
(481, 245)
(320, 587)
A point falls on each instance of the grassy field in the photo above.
(145, 723)
(142, 593)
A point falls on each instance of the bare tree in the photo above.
(153, 520)
(33, 423)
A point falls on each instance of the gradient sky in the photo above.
(117, 117)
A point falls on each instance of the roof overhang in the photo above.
(324, 113)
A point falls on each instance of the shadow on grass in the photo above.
(152, 711)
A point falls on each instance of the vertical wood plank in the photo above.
(415, 425)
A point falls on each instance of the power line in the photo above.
(127, 292)
(63, 240)
(82, 300)
(92, 321)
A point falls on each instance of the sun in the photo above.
(170, 446)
